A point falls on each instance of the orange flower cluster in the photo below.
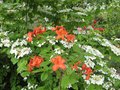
(58, 62)
(35, 62)
(88, 71)
(75, 66)
(63, 34)
(36, 31)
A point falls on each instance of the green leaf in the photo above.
(41, 88)
(14, 60)
(65, 81)
(44, 76)
(24, 74)
(22, 65)
(94, 87)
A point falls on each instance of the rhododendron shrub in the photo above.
(56, 59)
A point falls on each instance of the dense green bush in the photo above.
(83, 56)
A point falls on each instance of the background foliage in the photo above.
(21, 16)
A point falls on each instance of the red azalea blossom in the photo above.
(39, 30)
(70, 37)
(36, 31)
(88, 71)
(58, 62)
(35, 62)
(58, 28)
(61, 34)
(30, 36)
(75, 66)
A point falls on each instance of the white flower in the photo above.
(52, 40)
(90, 63)
(102, 71)
(107, 85)
(97, 79)
(107, 43)
(6, 42)
(58, 51)
(3, 33)
(87, 81)
(114, 74)
(32, 86)
(117, 39)
(18, 48)
(112, 88)
(91, 50)
(39, 45)
(68, 44)
(69, 86)
(23, 52)
(90, 57)
(115, 50)
(101, 63)
(25, 78)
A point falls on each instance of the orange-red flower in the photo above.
(75, 66)
(58, 28)
(58, 62)
(30, 36)
(36, 31)
(70, 37)
(39, 30)
(35, 62)
(100, 29)
(61, 33)
(88, 71)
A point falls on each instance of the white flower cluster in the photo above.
(79, 32)
(41, 44)
(107, 85)
(107, 43)
(68, 44)
(4, 41)
(101, 63)
(114, 74)
(90, 57)
(18, 48)
(91, 50)
(102, 71)
(30, 87)
(95, 79)
(90, 63)
(58, 51)
(52, 40)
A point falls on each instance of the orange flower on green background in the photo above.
(88, 71)
(58, 62)
(75, 66)
(30, 36)
(35, 62)
(39, 30)
(70, 37)
(61, 34)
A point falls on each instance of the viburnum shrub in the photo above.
(52, 58)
